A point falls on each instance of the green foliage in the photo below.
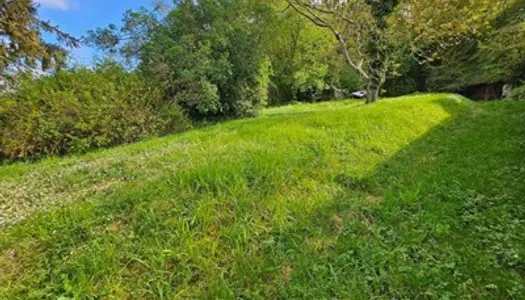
(138, 27)
(350, 80)
(72, 111)
(208, 98)
(491, 49)
(203, 46)
(21, 43)
(207, 55)
(500, 57)
(303, 56)
(382, 10)
(430, 28)
(370, 35)
(209, 58)
(409, 77)
(418, 197)
(518, 93)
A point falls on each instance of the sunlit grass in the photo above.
(336, 199)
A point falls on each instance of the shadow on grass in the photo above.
(443, 217)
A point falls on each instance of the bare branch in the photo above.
(312, 13)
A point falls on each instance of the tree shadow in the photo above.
(443, 217)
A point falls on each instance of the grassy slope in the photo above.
(419, 197)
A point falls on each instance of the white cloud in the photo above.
(58, 4)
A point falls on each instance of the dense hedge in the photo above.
(73, 111)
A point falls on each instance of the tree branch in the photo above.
(311, 15)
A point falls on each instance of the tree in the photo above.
(430, 29)
(361, 29)
(126, 41)
(495, 55)
(302, 55)
(21, 43)
(207, 55)
(211, 57)
(374, 34)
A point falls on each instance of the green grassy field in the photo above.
(416, 197)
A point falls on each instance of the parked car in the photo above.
(359, 94)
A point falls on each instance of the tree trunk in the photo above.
(372, 91)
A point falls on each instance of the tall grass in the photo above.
(412, 197)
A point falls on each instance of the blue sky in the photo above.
(78, 16)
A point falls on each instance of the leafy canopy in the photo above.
(21, 43)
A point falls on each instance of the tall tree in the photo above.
(430, 28)
(361, 29)
(21, 43)
(495, 55)
(304, 58)
(374, 33)
(127, 41)
(207, 55)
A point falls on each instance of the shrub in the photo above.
(518, 93)
(72, 111)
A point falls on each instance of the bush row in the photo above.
(72, 111)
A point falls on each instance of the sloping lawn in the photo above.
(415, 197)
